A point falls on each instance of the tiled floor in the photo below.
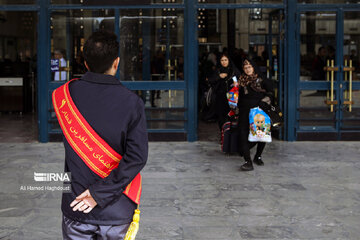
(306, 190)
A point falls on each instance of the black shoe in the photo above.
(258, 161)
(247, 166)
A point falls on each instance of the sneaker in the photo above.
(247, 166)
(258, 161)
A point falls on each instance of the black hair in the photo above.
(230, 68)
(100, 51)
(331, 48)
(223, 54)
(221, 68)
(321, 48)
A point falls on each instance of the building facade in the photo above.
(309, 48)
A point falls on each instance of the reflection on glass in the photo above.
(164, 108)
(313, 111)
(162, 98)
(18, 44)
(15, 2)
(351, 113)
(152, 45)
(70, 29)
(351, 50)
(352, 119)
(249, 37)
(318, 43)
(115, 2)
(328, 1)
(18, 48)
(242, 1)
(352, 44)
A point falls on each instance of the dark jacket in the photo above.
(118, 116)
(220, 87)
(245, 103)
(250, 100)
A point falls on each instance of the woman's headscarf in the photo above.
(254, 80)
(230, 69)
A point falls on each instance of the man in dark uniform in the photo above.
(97, 208)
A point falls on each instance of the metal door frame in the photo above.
(339, 9)
(280, 58)
(282, 43)
(40, 21)
(189, 84)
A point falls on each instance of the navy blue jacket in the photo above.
(118, 116)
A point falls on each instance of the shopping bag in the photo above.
(260, 125)
(233, 94)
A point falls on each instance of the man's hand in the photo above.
(84, 202)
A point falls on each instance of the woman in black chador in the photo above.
(254, 90)
(221, 83)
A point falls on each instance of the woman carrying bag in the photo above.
(221, 83)
(254, 90)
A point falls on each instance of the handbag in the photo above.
(274, 112)
(276, 116)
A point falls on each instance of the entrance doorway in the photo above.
(18, 76)
(329, 75)
(253, 33)
(151, 65)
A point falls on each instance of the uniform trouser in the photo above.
(73, 230)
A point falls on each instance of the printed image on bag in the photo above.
(233, 94)
(260, 124)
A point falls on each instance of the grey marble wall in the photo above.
(306, 190)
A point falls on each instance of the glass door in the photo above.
(275, 67)
(253, 33)
(18, 75)
(151, 59)
(327, 87)
(350, 85)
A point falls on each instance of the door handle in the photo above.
(66, 69)
(349, 69)
(175, 74)
(330, 71)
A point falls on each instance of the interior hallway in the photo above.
(18, 128)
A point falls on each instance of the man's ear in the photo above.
(87, 67)
(116, 63)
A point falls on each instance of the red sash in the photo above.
(90, 147)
